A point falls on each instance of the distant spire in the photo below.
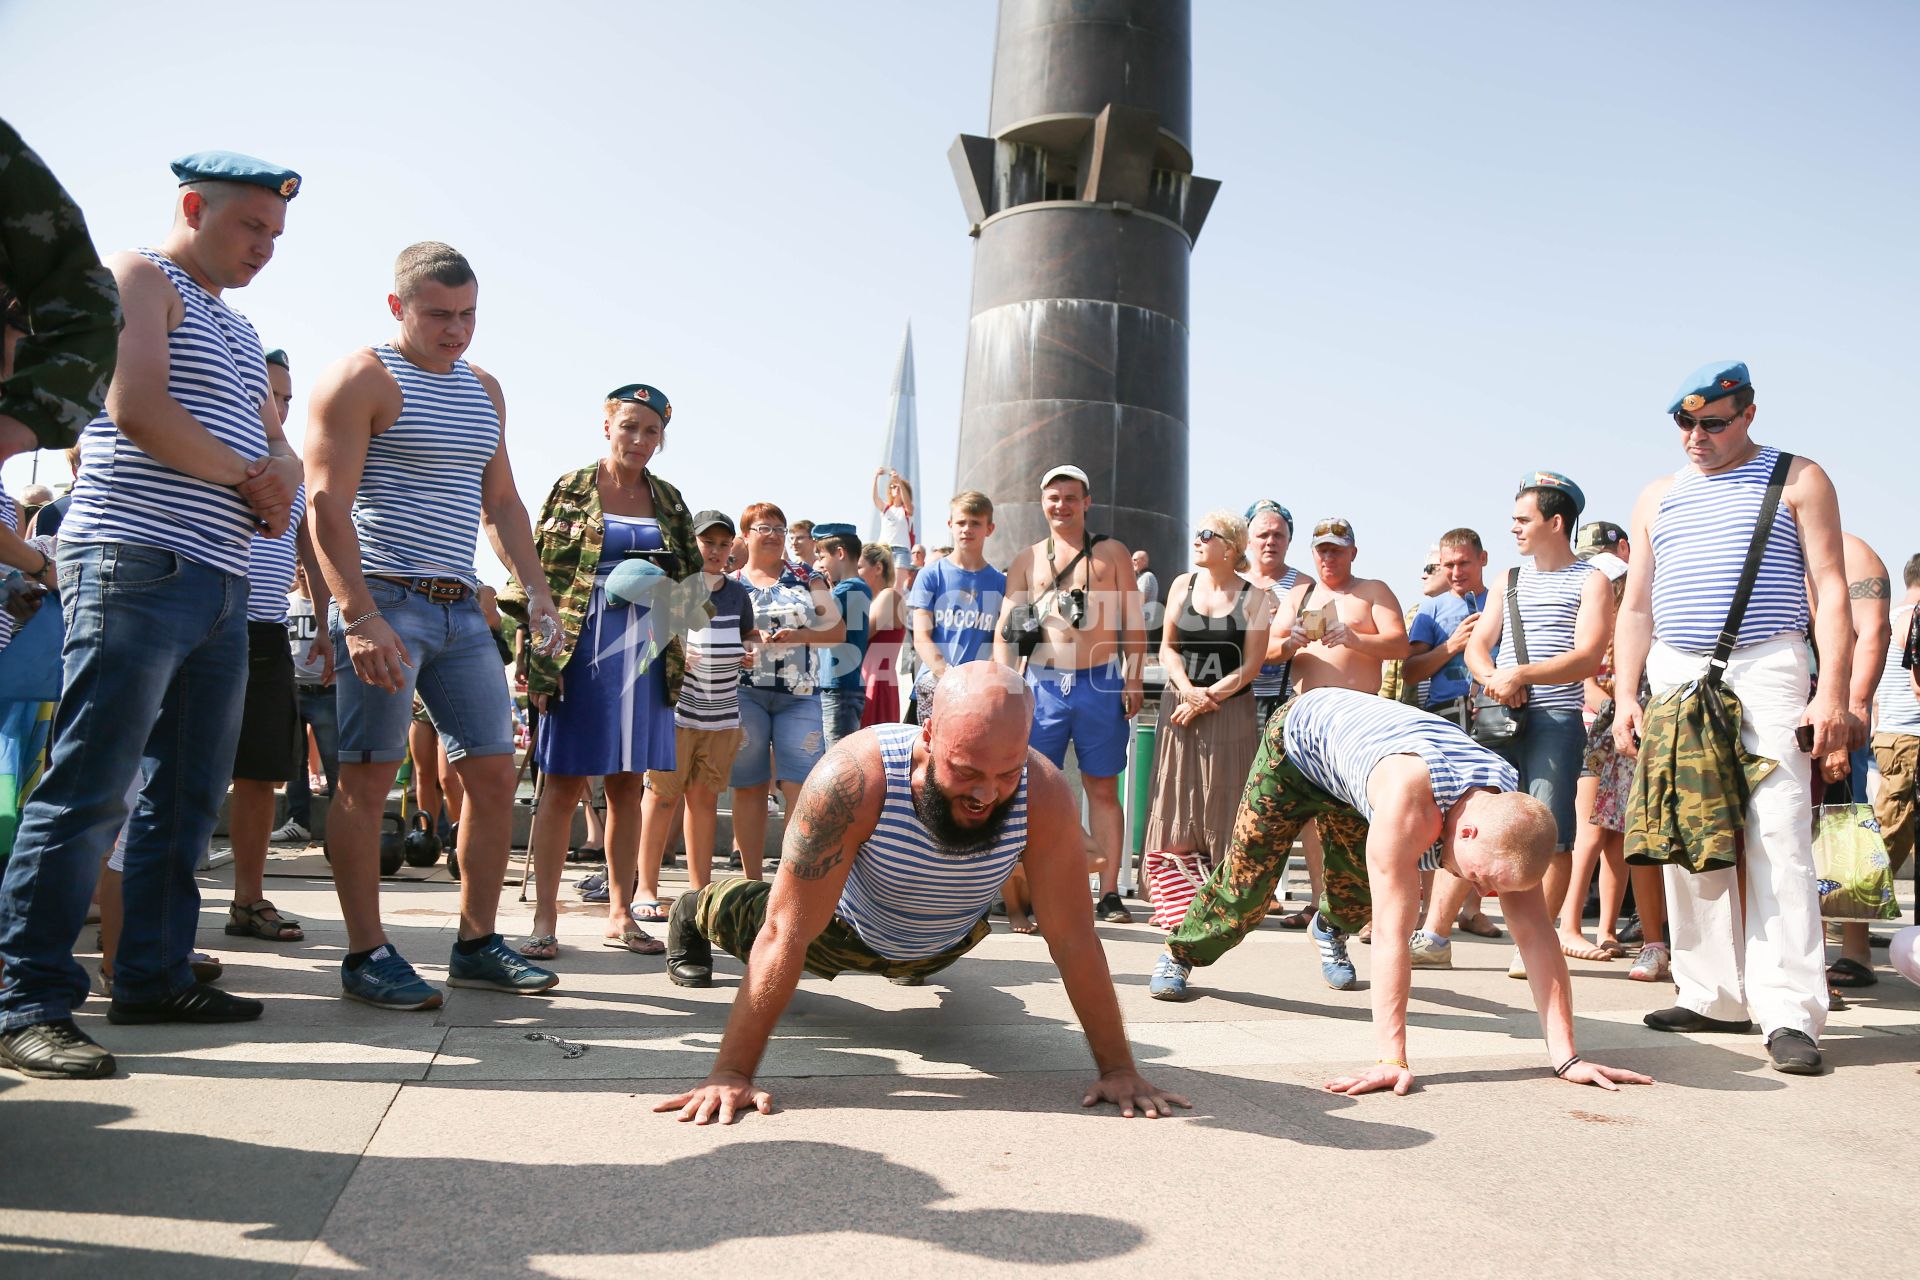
(902, 449)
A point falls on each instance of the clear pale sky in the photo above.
(1455, 242)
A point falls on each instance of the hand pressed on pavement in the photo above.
(724, 1098)
(1611, 1078)
(1130, 1092)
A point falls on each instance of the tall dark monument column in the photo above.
(1086, 208)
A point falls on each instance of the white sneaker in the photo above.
(1517, 967)
(1430, 950)
(290, 832)
(1653, 964)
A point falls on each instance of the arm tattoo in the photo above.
(817, 842)
(1869, 589)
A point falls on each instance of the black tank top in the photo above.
(1211, 649)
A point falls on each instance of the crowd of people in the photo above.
(1505, 740)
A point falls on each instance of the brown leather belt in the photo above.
(438, 590)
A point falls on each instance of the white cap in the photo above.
(1071, 472)
(1610, 564)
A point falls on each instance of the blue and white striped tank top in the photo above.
(11, 522)
(1337, 737)
(1549, 608)
(418, 509)
(217, 370)
(1700, 536)
(907, 898)
(1272, 681)
(270, 568)
(1896, 709)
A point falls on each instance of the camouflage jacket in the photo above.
(568, 537)
(1690, 790)
(61, 369)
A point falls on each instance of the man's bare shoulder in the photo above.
(838, 808)
(1656, 489)
(130, 267)
(1114, 552)
(1862, 561)
(1374, 589)
(491, 383)
(357, 379)
(1051, 808)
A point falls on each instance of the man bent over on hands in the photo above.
(897, 846)
(1396, 791)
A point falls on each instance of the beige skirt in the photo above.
(1199, 772)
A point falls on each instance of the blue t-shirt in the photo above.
(840, 663)
(965, 604)
(1434, 623)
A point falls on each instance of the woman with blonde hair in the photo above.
(896, 516)
(1211, 647)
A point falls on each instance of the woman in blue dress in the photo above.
(606, 705)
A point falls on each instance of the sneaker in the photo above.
(689, 954)
(1653, 964)
(1793, 1052)
(1169, 981)
(386, 981)
(197, 1003)
(498, 967)
(1430, 950)
(593, 888)
(1112, 910)
(1517, 967)
(290, 832)
(1335, 965)
(55, 1050)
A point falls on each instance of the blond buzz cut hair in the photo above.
(430, 260)
(1520, 834)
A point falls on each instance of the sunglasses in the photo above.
(1712, 426)
(1427, 569)
(1339, 528)
(1207, 535)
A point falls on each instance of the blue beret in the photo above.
(1709, 382)
(1554, 480)
(640, 393)
(279, 357)
(834, 531)
(1264, 505)
(231, 166)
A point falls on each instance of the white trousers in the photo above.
(1764, 957)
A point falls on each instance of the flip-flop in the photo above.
(1612, 946)
(1848, 972)
(539, 946)
(1478, 925)
(653, 911)
(638, 941)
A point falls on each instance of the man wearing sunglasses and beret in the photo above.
(1747, 941)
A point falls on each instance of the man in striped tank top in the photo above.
(408, 445)
(1396, 792)
(897, 846)
(1566, 621)
(186, 465)
(1747, 942)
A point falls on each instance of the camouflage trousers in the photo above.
(730, 912)
(1278, 802)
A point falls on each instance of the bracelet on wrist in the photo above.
(46, 563)
(1392, 1062)
(368, 615)
(1568, 1065)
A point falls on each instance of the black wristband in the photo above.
(1563, 1068)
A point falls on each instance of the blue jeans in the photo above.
(456, 669)
(317, 710)
(840, 711)
(786, 723)
(155, 673)
(1548, 757)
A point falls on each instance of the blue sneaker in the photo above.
(1169, 981)
(386, 981)
(498, 967)
(1335, 966)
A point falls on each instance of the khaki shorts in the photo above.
(703, 755)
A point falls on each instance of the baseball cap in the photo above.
(1068, 470)
(709, 518)
(1334, 531)
(1596, 537)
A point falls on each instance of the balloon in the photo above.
(1904, 953)
(632, 581)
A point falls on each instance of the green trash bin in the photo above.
(1140, 786)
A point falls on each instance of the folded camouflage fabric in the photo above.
(1690, 792)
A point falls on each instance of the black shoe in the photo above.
(1112, 910)
(689, 954)
(55, 1051)
(1633, 932)
(197, 1003)
(1793, 1053)
(1678, 1019)
(909, 980)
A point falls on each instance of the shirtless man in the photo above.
(897, 845)
(1364, 628)
(1086, 670)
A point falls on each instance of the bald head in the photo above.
(980, 702)
(1503, 840)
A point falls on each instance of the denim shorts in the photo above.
(789, 723)
(1549, 756)
(455, 667)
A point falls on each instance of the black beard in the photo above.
(935, 810)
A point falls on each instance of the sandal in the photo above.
(1848, 972)
(1478, 925)
(263, 920)
(539, 946)
(1296, 919)
(638, 941)
(653, 911)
